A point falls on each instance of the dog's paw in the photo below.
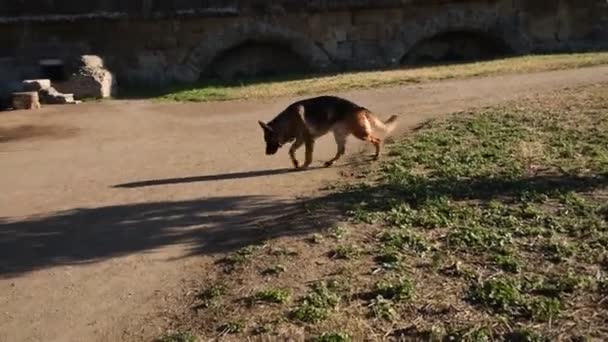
(296, 164)
(328, 163)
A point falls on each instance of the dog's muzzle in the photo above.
(272, 149)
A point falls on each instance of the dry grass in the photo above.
(316, 84)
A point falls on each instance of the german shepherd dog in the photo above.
(305, 121)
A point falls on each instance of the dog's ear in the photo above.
(265, 126)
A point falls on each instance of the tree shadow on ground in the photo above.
(418, 191)
(224, 224)
(207, 226)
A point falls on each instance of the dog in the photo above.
(304, 121)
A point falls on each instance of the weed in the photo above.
(241, 256)
(232, 327)
(346, 252)
(316, 238)
(383, 308)
(602, 286)
(500, 294)
(508, 263)
(338, 232)
(405, 241)
(334, 337)
(281, 251)
(469, 334)
(556, 285)
(212, 293)
(525, 335)
(479, 238)
(396, 290)
(388, 257)
(558, 251)
(179, 337)
(544, 310)
(279, 296)
(315, 306)
(274, 270)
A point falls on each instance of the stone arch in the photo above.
(472, 18)
(255, 58)
(214, 44)
(457, 46)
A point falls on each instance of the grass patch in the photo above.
(519, 187)
(497, 216)
(303, 85)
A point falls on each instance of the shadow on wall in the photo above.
(455, 47)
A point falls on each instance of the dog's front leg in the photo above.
(310, 146)
(292, 152)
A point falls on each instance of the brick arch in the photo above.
(214, 44)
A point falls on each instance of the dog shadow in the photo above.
(215, 177)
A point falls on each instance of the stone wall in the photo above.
(155, 42)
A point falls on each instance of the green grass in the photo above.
(302, 85)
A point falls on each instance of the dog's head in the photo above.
(272, 139)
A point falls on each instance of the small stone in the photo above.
(36, 85)
(26, 100)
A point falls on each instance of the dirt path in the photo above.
(105, 207)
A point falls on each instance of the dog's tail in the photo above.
(387, 126)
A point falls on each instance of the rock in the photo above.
(26, 100)
(50, 95)
(91, 61)
(36, 85)
(90, 80)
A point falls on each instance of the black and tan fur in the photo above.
(305, 121)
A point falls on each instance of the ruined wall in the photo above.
(159, 41)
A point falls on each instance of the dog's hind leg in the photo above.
(362, 129)
(292, 152)
(340, 135)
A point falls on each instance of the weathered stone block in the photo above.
(26, 100)
(90, 80)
